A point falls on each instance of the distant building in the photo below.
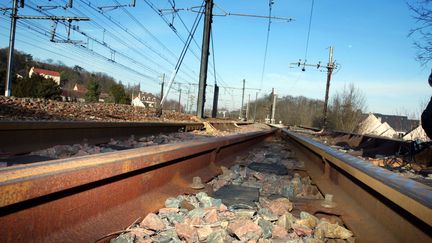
(417, 134)
(77, 94)
(386, 125)
(46, 74)
(401, 124)
(80, 88)
(144, 99)
(103, 97)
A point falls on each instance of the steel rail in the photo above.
(381, 190)
(20, 137)
(81, 199)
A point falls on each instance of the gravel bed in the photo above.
(34, 109)
(82, 149)
(273, 217)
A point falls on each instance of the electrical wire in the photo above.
(213, 55)
(42, 31)
(267, 42)
(104, 44)
(157, 11)
(119, 25)
(309, 29)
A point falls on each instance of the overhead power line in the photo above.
(182, 55)
(267, 41)
(134, 36)
(309, 29)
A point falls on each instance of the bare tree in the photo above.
(422, 13)
(346, 109)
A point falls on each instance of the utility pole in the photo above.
(272, 121)
(9, 75)
(162, 87)
(242, 103)
(255, 109)
(215, 101)
(330, 67)
(187, 110)
(14, 17)
(204, 57)
(179, 108)
(247, 109)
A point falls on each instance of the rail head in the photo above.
(37, 125)
(410, 195)
(25, 182)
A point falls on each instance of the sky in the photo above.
(370, 39)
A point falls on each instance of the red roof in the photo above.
(46, 72)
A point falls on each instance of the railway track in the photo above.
(82, 199)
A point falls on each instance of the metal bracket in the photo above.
(104, 9)
(49, 7)
(68, 30)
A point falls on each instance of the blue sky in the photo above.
(370, 40)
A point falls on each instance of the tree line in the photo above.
(346, 110)
(39, 87)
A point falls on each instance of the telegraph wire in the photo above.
(152, 36)
(182, 55)
(194, 40)
(271, 2)
(124, 43)
(46, 33)
(213, 57)
(309, 29)
(159, 12)
(104, 44)
(119, 25)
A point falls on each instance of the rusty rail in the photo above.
(81, 199)
(379, 198)
(26, 136)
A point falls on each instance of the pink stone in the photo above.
(168, 210)
(245, 228)
(228, 215)
(211, 216)
(186, 232)
(301, 230)
(193, 221)
(223, 208)
(280, 206)
(153, 222)
(279, 232)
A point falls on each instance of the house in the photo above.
(401, 124)
(144, 99)
(77, 93)
(386, 125)
(372, 125)
(46, 74)
(103, 97)
(417, 134)
(137, 102)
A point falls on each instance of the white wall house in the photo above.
(144, 100)
(46, 74)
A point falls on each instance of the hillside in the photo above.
(69, 75)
